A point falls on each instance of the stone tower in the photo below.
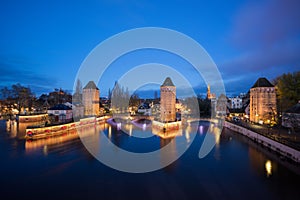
(263, 102)
(90, 99)
(167, 101)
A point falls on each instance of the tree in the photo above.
(288, 90)
(77, 96)
(78, 88)
(5, 93)
(119, 98)
(109, 94)
(18, 94)
(134, 100)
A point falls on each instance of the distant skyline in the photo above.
(43, 44)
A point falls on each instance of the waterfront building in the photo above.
(144, 109)
(168, 101)
(90, 99)
(221, 106)
(77, 109)
(60, 113)
(236, 102)
(291, 117)
(263, 102)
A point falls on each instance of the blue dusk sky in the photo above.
(43, 43)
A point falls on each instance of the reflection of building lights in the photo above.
(268, 166)
(119, 126)
(109, 132)
(217, 137)
(201, 129)
(45, 150)
(187, 136)
(144, 127)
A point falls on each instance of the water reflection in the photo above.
(176, 139)
(32, 145)
(268, 166)
(63, 161)
(59, 143)
(170, 154)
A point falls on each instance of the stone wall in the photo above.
(280, 148)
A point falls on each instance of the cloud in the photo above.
(14, 71)
(267, 35)
(267, 23)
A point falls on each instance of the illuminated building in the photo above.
(60, 113)
(167, 101)
(291, 117)
(90, 99)
(210, 95)
(221, 106)
(263, 102)
(144, 109)
(236, 103)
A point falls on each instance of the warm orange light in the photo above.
(268, 167)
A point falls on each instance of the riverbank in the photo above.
(275, 146)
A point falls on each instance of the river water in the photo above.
(62, 168)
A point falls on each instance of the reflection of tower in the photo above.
(169, 153)
(90, 98)
(167, 101)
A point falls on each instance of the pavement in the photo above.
(279, 134)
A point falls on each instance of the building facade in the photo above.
(60, 113)
(236, 103)
(263, 102)
(144, 109)
(291, 117)
(168, 101)
(77, 109)
(221, 106)
(90, 99)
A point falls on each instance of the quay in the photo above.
(282, 149)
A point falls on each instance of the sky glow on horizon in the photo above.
(42, 44)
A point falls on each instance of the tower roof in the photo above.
(168, 82)
(91, 85)
(262, 82)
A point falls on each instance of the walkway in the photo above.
(279, 134)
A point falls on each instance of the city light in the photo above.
(268, 167)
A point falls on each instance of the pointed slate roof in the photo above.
(262, 82)
(91, 85)
(168, 82)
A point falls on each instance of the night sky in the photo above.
(43, 43)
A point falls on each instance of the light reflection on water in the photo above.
(236, 168)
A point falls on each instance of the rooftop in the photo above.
(144, 106)
(168, 82)
(91, 85)
(60, 107)
(262, 82)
